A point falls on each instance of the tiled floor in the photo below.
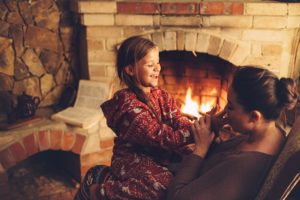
(40, 179)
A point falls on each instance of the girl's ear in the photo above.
(255, 115)
(129, 70)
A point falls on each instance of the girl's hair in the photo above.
(259, 89)
(130, 52)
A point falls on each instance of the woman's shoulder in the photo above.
(231, 148)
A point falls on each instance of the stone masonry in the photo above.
(38, 49)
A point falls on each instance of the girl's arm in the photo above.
(171, 113)
(141, 127)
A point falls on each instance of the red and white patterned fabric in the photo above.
(144, 146)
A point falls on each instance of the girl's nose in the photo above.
(157, 67)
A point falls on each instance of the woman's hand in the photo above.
(218, 121)
(203, 135)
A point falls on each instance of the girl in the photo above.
(149, 129)
(235, 169)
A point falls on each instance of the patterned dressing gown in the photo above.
(144, 147)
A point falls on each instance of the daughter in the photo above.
(149, 129)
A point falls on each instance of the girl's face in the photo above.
(146, 70)
(238, 118)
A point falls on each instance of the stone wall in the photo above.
(38, 49)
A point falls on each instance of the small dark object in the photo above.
(27, 105)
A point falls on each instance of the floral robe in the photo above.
(144, 145)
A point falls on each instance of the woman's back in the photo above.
(224, 174)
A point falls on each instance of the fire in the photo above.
(191, 107)
(207, 105)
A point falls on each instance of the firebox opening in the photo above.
(44, 175)
(208, 77)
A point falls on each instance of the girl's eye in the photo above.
(150, 65)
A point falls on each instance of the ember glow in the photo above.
(193, 108)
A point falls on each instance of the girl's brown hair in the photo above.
(130, 52)
(259, 89)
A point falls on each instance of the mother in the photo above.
(236, 168)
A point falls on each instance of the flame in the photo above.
(190, 107)
(193, 108)
(207, 105)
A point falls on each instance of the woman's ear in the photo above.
(129, 70)
(255, 115)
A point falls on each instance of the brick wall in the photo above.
(241, 32)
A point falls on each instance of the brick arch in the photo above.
(20, 146)
(230, 50)
(39, 141)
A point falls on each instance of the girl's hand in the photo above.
(203, 135)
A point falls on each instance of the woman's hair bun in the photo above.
(287, 93)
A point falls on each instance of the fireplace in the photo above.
(240, 32)
(205, 76)
(237, 33)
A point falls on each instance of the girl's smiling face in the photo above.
(146, 71)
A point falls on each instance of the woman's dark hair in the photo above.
(130, 52)
(259, 89)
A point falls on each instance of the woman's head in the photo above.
(138, 62)
(259, 89)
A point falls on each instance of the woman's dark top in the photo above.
(223, 174)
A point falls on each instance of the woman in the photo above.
(236, 168)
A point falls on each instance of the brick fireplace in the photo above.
(239, 32)
(221, 34)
